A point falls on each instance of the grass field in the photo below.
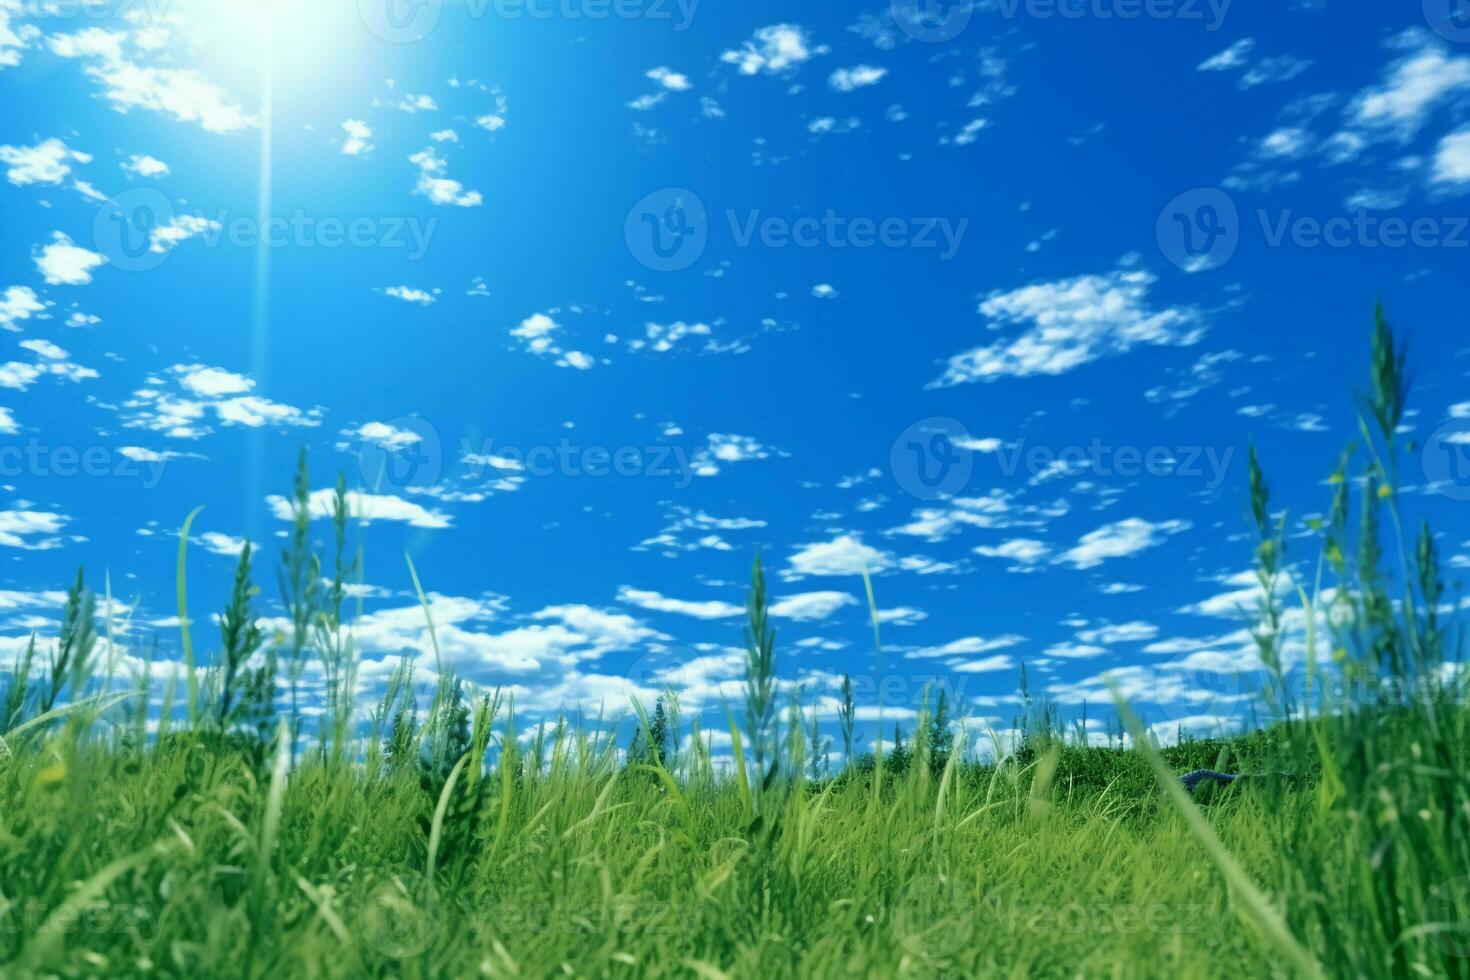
(413, 840)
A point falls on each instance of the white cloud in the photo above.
(48, 162)
(8, 424)
(221, 544)
(358, 136)
(968, 133)
(859, 76)
(1067, 650)
(435, 184)
(689, 530)
(1452, 159)
(495, 121)
(1022, 551)
(13, 38)
(670, 80)
(63, 263)
(179, 229)
(1119, 540)
(843, 555)
(1135, 631)
(723, 449)
(1412, 86)
(1069, 323)
(824, 290)
(1234, 56)
(1288, 141)
(811, 605)
(410, 295)
(418, 103)
(211, 382)
(967, 646)
(1278, 68)
(31, 530)
(383, 435)
(704, 609)
(179, 93)
(537, 334)
(773, 50)
(206, 390)
(143, 165)
(139, 454)
(18, 303)
(662, 338)
(362, 506)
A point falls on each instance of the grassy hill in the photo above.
(441, 842)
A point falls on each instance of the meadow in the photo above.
(427, 835)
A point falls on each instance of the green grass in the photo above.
(437, 842)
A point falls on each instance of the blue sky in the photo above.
(591, 302)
